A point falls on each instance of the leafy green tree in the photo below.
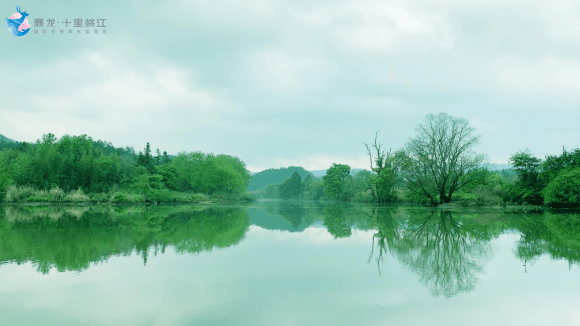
(313, 187)
(74, 162)
(564, 189)
(528, 188)
(5, 180)
(207, 173)
(146, 159)
(165, 159)
(292, 187)
(336, 182)
(553, 164)
(440, 159)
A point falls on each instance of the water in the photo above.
(285, 263)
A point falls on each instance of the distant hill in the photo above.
(7, 143)
(321, 173)
(497, 167)
(271, 221)
(274, 176)
(5, 139)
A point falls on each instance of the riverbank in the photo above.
(28, 196)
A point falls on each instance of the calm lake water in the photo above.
(286, 263)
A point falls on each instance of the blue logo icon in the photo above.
(18, 23)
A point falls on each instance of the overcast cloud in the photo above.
(281, 83)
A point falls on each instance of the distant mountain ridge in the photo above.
(321, 173)
(268, 177)
(6, 139)
(261, 180)
(497, 167)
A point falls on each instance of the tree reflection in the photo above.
(388, 233)
(556, 234)
(447, 255)
(335, 221)
(292, 211)
(71, 239)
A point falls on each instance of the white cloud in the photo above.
(305, 83)
(122, 98)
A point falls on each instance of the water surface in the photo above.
(287, 263)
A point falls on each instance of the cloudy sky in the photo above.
(281, 83)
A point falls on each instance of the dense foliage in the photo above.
(336, 182)
(564, 189)
(79, 163)
(553, 181)
(292, 187)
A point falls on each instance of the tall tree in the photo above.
(146, 159)
(440, 159)
(335, 182)
(387, 168)
(292, 187)
(528, 188)
(165, 159)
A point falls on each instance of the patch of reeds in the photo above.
(76, 196)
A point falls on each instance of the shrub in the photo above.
(564, 189)
(199, 197)
(464, 196)
(37, 199)
(159, 195)
(56, 194)
(15, 193)
(100, 197)
(76, 196)
(363, 196)
(122, 197)
(248, 197)
(486, 196)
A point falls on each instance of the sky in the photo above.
(303, 83)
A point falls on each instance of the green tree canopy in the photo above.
(292, 187)
(564, 190)
(335, 182)
(528, 188)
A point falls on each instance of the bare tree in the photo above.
(386, 171)
(441, 158)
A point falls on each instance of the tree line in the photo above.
(439, 165)
(51, 167)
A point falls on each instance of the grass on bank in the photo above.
(27, 194)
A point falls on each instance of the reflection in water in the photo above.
(445, 253)
(71, 239)
(335, 221)
(292, 211)
(549, 233)
(448, 251)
